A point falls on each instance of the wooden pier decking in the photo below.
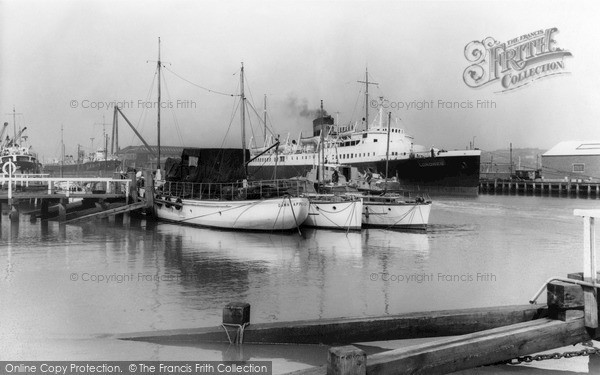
(541, 188)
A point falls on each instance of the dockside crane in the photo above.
(13, 141)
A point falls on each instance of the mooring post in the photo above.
(44, 209)
(346, 360)
(565, 300)
(590, 295)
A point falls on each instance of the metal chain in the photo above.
(542, 357)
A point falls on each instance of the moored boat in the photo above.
(363, 145)
(334, 211)
(97, 163)
(393, 211)
(260, 206)
(16, 154)
(211, 190)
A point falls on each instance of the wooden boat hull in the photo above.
(411, 215)
(343, 215)
(273, 214)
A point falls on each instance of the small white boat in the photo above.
(395, 211)
(334, 211)
(230, 206)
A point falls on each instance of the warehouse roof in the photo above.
(574, 148)
(143, 150)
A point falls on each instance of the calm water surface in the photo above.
(66, 290)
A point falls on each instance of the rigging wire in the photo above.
(177, 128)
(236, 105)
(260, 120)
(142, 118)
(199, 86)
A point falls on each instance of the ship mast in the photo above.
(62, 150)
(265, 120)
(367, 83)
(243, 119)
(14, 125)
(158, 108)
(387, 151)
(322, 143)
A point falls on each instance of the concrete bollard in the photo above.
(346, 360)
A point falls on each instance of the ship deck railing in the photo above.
(239, 190)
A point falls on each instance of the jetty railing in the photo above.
(233, 190)
(68, 186)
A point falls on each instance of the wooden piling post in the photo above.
(14, 213)
(62, 212)
(589, 266)
(149, 192)
(133, 188)
(44, 209)
(346, 360)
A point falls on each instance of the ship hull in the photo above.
(331, 214)
(439, 175)
(396, 215)
(274, 214)
(28, 166)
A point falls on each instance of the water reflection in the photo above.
(181, 277)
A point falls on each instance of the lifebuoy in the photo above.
(179, 204)
(168, 204)
(11, 165)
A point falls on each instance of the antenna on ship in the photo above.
(367, 83)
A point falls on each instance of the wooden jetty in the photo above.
(479, 336)
(558, 188)
(69, 199)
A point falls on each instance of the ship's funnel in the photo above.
(324, 122)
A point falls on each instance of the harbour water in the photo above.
(65, 291)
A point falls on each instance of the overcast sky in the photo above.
(59, 56)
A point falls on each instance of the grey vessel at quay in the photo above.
(415, 167)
